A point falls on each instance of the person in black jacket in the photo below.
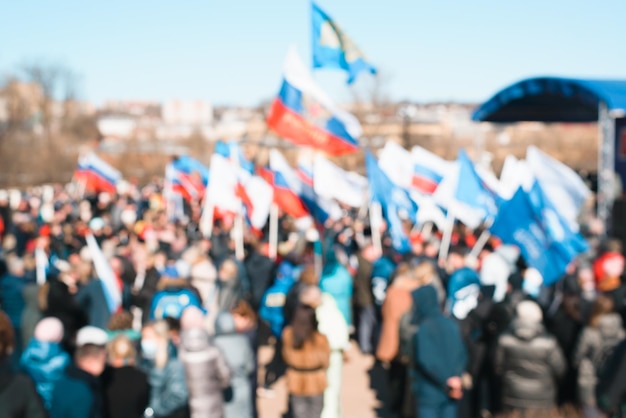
(126, 388)
(18, 396)
(261, 271)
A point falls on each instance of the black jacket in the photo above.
(261, 271)
(126, 392)
(18, 396)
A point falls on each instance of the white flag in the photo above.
(333, 182)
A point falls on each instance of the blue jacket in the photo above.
(273, 301)
(172, 302)
(463, 291)
(337, 282)
(92, 300)
(11, 299)
(77, 395)
(382, 269)
(438, 347)
(45, 363)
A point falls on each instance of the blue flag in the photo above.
(393, 200)
(519, 224)
(566, 240)
(227, 150)
(332, 48)
(471, 189)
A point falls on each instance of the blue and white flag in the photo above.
(393, 201)
(569, 242)
(108, 280)
(472, 190)
(332, 48)
(518, 223)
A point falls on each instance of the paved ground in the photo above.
(358, 400)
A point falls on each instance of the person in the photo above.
(237, 351)
(18, 396)
(332, 325)
(439, 360)
(207, 373)
(307, 354)
(79, 392)
(166, 375)
(44, 360)
(337, 282)
(126, 388)
(11, 299)
(597, 341)
(364, 299)
(530, 362)
(397, 304)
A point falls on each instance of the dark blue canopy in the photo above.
(552, 99)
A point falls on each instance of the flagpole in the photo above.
(206, 221)
(427, 230)
(444, 248)
(376, 216)
(273, 244)
(238, 227)
(482, 240)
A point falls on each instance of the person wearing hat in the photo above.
(44, 359)
(530, 362)
(79, 392)
(18, 396)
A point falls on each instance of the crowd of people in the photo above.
(452, 336)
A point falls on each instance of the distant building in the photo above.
(187, 113)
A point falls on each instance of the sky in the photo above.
(230, 52)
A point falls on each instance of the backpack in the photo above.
(407, 333)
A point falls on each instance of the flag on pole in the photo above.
(111, 285)
(96, 174)
(232, 150)
(333, 182)
(303, 114)
(332, 48)
(569, 242)
(565, 189)
(472, 190)
(188, 177)
(518, 223)
(394, 201)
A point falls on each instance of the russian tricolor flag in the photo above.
(425, 179)
(188, 177)
(303, 114)
(428, 170)
(96, 174)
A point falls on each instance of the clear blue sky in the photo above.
(231, 51)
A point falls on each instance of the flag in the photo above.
(333, 182)
(42, 265)
(96, 174)
(232, 150)
(397, 164)
(428, 170)
(518, 223)
(332, 48)
(284, 197)
(515, 174)
(303, 114)
(319, 207)
(111, 284)
(188, 177)
(256, 196)
(393, 200)
(472, 190)
(569, 242)
(565, 189)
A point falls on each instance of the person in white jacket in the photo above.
(333, 326)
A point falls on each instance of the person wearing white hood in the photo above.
(333, 326)
(496, 269)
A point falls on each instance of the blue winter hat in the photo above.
(285, 270)
(170, 271)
